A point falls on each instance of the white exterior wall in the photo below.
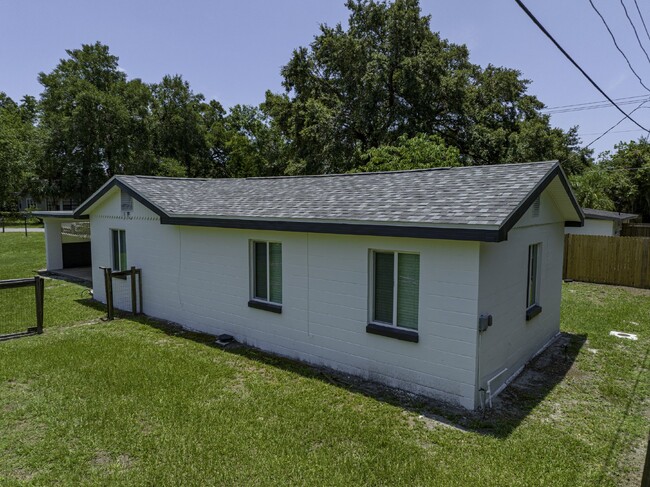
(595, 227)
(199, 277)
(511, 340)
(53, 249)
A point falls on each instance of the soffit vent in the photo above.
(127, 201)
(536, 207)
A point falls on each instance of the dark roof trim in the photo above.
(472, 234)
(339, 228)
(78, 213)
(608, 215)
(518, 212)
(58, 214)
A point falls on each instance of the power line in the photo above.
(635, 31)
(604, 104)
(617, 46)
(593, 102)
(642, 19)
(614, 132)
(615, 125)
(566, 54)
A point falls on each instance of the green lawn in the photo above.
(131, 402)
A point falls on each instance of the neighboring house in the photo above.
(384, 275)
(601, 222)
(61, 204)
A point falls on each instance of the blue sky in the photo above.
(232, 50)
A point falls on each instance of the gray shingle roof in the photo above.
(478, 195)
(608, 215)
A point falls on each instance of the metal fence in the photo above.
(623, 261)
(21, 307)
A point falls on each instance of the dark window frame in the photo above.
(393, 329)
(116, 257)
(256, 301)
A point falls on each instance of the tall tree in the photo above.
(95, 123)
(19, 146)
(628, 167)
(389, 76)
(180, 127)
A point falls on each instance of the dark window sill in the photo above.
(393, 332)
(533, 311)
(273, 308)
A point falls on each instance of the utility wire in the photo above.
(594, 102)
(568, 56)
(604, 104)
(642, 19)
(617, 46)
(614, 132)
(615, 125)
(635, 31)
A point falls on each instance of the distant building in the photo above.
(601, 222)
(61, 204)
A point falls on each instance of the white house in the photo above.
(601, 222)
(385, 275)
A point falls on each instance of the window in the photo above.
(532, 295)
(395, 289)
(118, 239)
(266, 271)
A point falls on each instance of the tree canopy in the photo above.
(383, 93)
(388, 76)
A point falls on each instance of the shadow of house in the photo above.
(538, 378)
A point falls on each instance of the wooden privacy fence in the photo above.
(21, 311)
(635, 230)
(623, 261)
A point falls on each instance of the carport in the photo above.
(67, 243)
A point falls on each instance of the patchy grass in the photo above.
(132, 402)
(65, 303)
(20, 255)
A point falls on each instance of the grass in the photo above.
(131, 402)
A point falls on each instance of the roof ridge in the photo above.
(346, 174)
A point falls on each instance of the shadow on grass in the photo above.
(528, 390)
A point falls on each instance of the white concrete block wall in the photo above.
(511, 341)
(592, 226)
(53, 250)
(199, 277)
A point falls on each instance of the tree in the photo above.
(592, 189)
(180, 129)
(389, 76)
(18, 147)
(629, 167)
(254, 146)
(95, 123)
(419, 152)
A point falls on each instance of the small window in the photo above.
(118, 239)
(534, 254)
(266, 266)
(395, 289)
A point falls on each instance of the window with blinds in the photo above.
(266, 260)
(118, 239)
(532, 297)
(395, 289)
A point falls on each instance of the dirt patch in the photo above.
(22, 475)
(104, 459)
